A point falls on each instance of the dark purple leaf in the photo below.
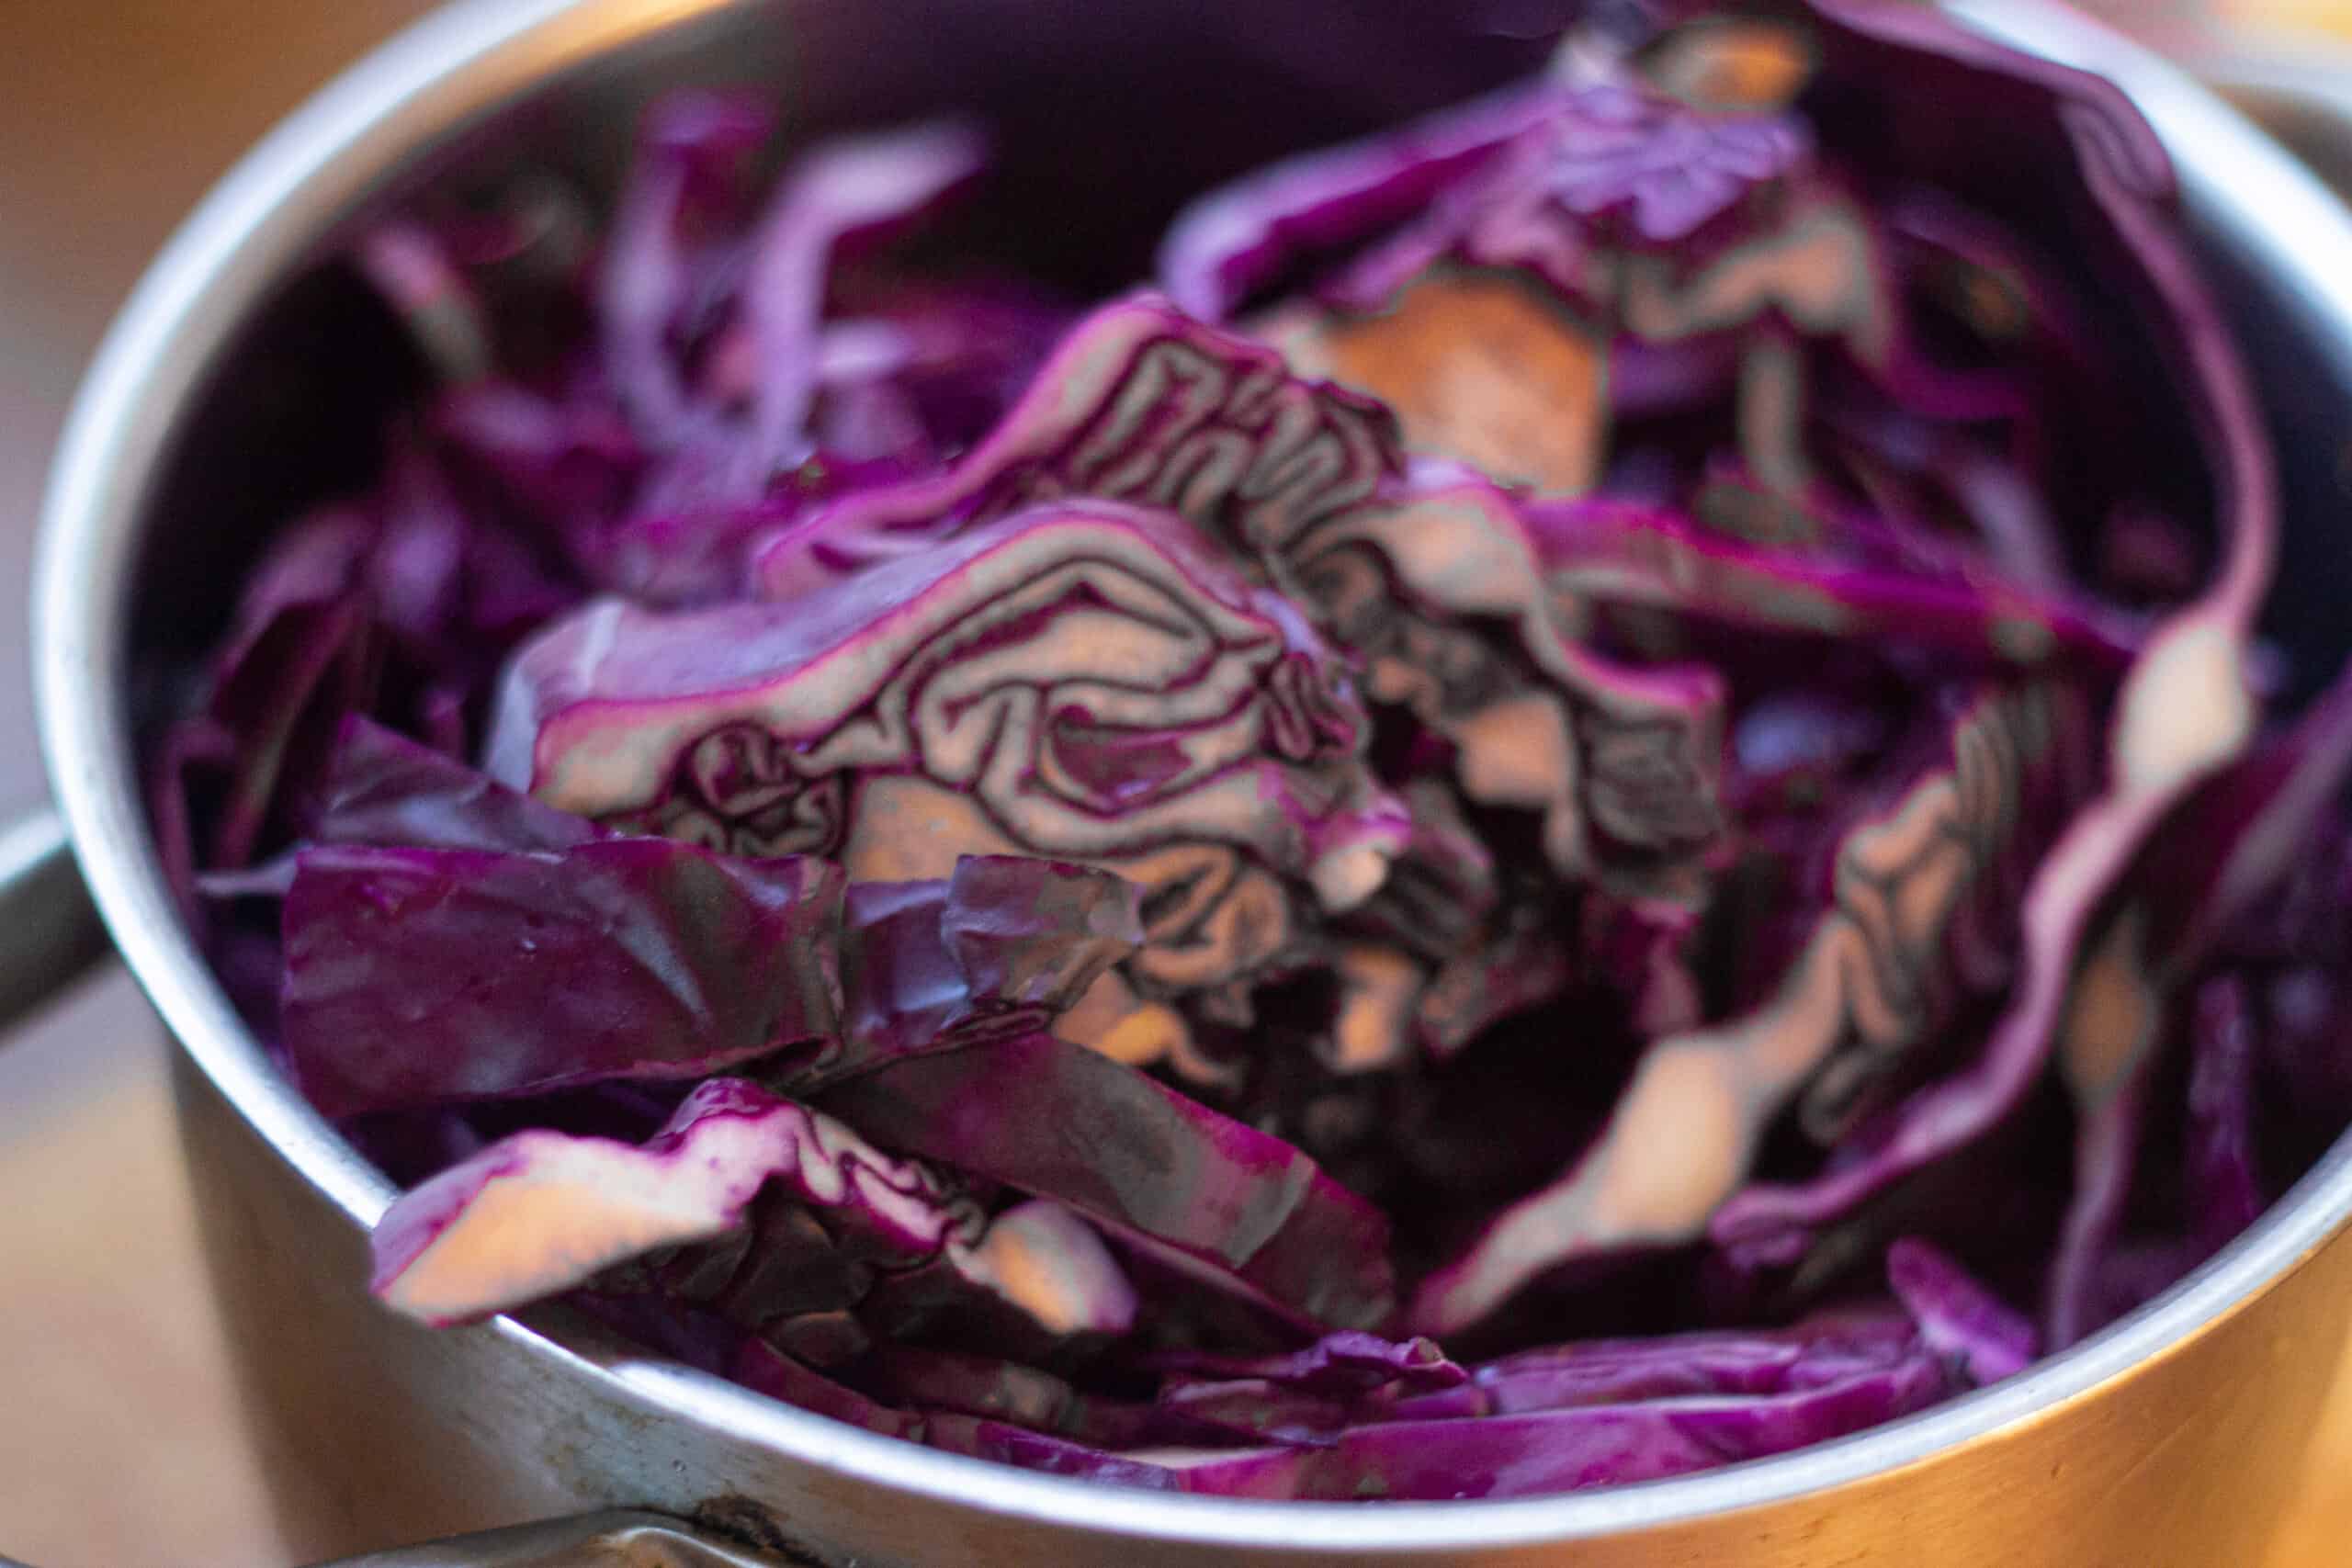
(1957, 1315)
(385, 789)
(1919, 898)
(416, 976)
(541, 1211)
(1064, 1122)
(1569, 1449)
(2221, 1167)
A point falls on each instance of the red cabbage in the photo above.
(1065, 1123)
(1561, 1451)
(1141, 404)
(1921, 886)
(416, 976)
(1957, 1317)
(542, 1211)
(1002, 946)
(710, 1210)
(1210, 751)
(385, 789)
(1592, 735)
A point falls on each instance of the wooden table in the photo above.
(120, 1443)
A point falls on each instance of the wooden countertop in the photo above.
(122, 1446)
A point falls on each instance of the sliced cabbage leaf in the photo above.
(1003, 946)
(988, 1387)
(1957, 1315)
(384, 789)
(2222, 1164)
(1225, 246)
(1599, 551)
(1704, 1363)
(778, 1217)
(417, 976)
(689, 148)
(1140, 404)
(2233, 839)
(831, 1286)
(537, 1213)
(836, 194)
(1412, 575)
(1065, 1123)
(2186, 708)
(1342, 1380)
(1571, 1449)
(1076, 682)
(1622, 762)
(1921, 892)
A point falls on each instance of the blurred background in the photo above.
(121, 1445)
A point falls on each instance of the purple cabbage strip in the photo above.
(1342, 1380)
(1346, 1361)
(687, 146)
(834, 195)
(2106, 1153)
(1065, 1123)
(1209, 748)
(1225, 245)
(189, 750)
(2184, 709)
(1004, 1443)
(771, 1217)
(772, 1372)
(665, 504)
(1568, 1449)
(1705, 1363)
(417, 976)
(385, 789)
(761, 1366)
(1003, 946)
(1921, 890)
(1615, 166)
(829, 1283)
(1612, 552)
(2240, 835)
(541, 1211)
(408, 265)
(2222, 1166)
(2230, 840)
(1140, 403)
(1957, 1315)
(954, 1382)
(307, 668)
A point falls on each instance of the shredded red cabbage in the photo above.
(1585, 799)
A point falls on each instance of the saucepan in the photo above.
(238, 384)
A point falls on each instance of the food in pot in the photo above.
(1589, 793)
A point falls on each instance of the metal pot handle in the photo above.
(612, 1539)
(616, 1538)
(50, 932)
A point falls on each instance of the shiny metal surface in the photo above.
(2164, 1440)
(615, 1539)
(2305, 100)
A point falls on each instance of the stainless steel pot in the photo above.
(2169, 1439)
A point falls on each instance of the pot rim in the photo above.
(465, 61)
